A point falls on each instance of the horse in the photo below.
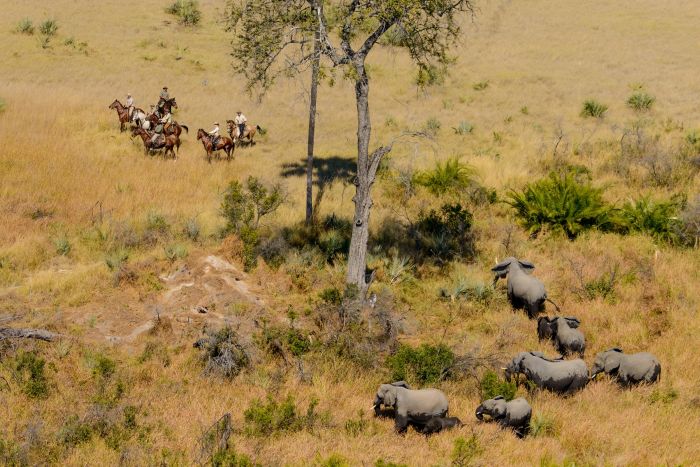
(168, 104)
(248, 133)
(122, 112)
(168, 142)
(224, 143)
(149, 122)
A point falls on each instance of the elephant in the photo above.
(524, 291)
(563, 331)
(515, 414)
(415, 407)
(629, 369)
(562, 376)
(437, 424)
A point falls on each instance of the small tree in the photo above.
(275, 37)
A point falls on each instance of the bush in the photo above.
(175, 252)
(452, 177)
(430, 75)
(192, 229)
(592, 108)
(30, 374)
(187, 11)
(25, 27)
(63, 246)
(425, 364)
(356, 427)
(48, 28)
(223, 354)
(491, 386)
(272, 417)
(334, 460)
(464, 128)
(640, 101)
(465, 450)
(432, 126)
(445, 235)
(561, 204)
(383, 463)
(542, 425)
(690, 219)
(278, 340)
(465, 289)
(657, 219)
(331, 237)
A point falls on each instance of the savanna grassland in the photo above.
(101, 243)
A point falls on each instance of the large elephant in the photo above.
(524, 290)
(562, 376)
(415, 407)
(563, 331)
(514, 414)
(629, 369)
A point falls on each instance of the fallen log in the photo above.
(41, 334)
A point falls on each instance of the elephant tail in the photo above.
(555, 305)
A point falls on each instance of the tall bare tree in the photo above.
(275, 38)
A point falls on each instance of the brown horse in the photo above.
(122, 112)
(223, 143)
(248, 134)
(165, 142)
(168, 104)
(173, 129)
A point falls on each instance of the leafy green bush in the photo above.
(63, 246)
(223, 354)
(663, 395)
(334, 460)
(562, 204)
(593, 108)
(452, 177)
(192, 229)
(30, 374)
(278, 340)
(491, 386)
(175, 252)
(187, 11)
(423, 365)
(465, 450)
(659, 220)
(432, 126)
(640, 101)
(356, 427)
(25, 26)
(383, 463)
(272, 417)
(693, 139)
(444, 235)
(466, 289)
(48, 28)
(230, 458)
(331, 237)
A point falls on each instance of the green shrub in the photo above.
(660, 220)
(187, 11)
(491, 386)
(30, 374)
(466, 289)
(331, 237)
(331, 296)
(272, 417)
(25, 26)
(279, 340)
(175, 252)
(334, 460)
(663, 395)
(464, 128)
(355, 428)
(230, 458)
(432, 126)
(542, 425)
(451, 177)
(383, 463)
(74, 432)
(103, 367)
(640, 101)
(465, 450)
(445, 235)
(48, 28)
(223, 354)
(63, 246)
(693, 139)
(425, 364)
(593, 108)
(602, 286)
(192, 229)
(562, 204)
(430, 75)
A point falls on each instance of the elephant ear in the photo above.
(400, 384)
(390, 397)
(501, 269)
(615, 349)
(526, 266)
(572, 322)
(498, 398)
(537, 353)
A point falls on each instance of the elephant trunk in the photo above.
(480, 412)
(377, 405)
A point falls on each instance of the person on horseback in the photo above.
(164, 96)
(240, 122)
(214, 133)
(129, 105)
(163, 124)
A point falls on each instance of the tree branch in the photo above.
(41, 334)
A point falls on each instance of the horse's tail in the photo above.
(258, 127)
(185, 127)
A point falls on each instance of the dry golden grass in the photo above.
(62, 158)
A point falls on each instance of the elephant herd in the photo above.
(426, 409)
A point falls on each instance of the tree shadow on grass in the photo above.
(326, 171)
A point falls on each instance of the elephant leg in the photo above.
(401, 423)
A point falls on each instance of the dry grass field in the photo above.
(74, 191)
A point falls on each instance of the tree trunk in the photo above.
(365, 178)
(41, 334)
(312, 128)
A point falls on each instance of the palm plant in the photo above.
(454, 176)
(658, 219)
(563, 204)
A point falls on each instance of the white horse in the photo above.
(140, 119)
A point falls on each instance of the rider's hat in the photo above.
(216, 123)
(165, 87)
(239, 112)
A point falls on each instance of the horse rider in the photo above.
(129, 105)
(240, 122)
(154, 111)
(163, 124)
(214, 133)
(164, 96)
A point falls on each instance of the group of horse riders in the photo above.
(165, 118)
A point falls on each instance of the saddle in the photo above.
(158, 141)
(215, 141)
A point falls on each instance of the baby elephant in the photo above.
(414, 407)
(437, 424)
(562, 376)
(514, 414)
(563, 331)
(524, 291)
(627, 369)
